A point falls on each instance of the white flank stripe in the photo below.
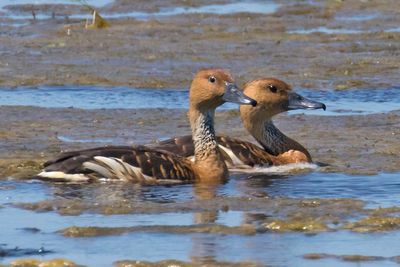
(115, 168)
(235, 160)
(57, 175)
(97, 168)
(277, 169)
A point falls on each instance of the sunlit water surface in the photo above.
(342, 102)
(259, 7)
(271, 248)
(35, 231)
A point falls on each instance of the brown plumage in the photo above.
(248, 153)
(209, 89)
(273, 96)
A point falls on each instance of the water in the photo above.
(345, 102)
(231, 8)
(97, 3)
(358, 16)
(271, 248)
(223, 9)
(327, 30)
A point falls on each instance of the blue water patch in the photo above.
(326, 31)
(355, 101)
(273, 248)
(96, 3)
(343, 102)
(223, 9)
(358, 16)
(231, 8)
(378, 190)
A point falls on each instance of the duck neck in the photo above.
(208, 161)
(202, 123)
(275, 142)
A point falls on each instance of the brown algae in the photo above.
(75, 231)
(176, 263)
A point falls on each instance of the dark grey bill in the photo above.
(296, 101)
(234, 95)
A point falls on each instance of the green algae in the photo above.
(19, 168)
(374, 224)
(305, 225)
(45, 263)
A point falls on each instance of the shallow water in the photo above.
(232, 8)
(327, 30)
(270, 248)
(223, 9)
(344, 102)
(97, 3)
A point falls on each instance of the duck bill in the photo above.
(297, 101)
(234, 95)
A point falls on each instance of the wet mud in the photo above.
(165, 51)
(263, 215)
(32, 135)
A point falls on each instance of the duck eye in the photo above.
(272, 88)
(212, 79)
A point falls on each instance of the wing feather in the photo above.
(136, 163)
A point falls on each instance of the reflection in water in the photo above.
(205, 192)
(281, 249)
(110, 192)
(204, 246)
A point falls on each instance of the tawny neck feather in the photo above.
(275, 142)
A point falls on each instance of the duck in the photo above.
(209, 89)
(273, 97)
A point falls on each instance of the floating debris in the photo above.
(350, 258)
(98, 22)
(20, 252)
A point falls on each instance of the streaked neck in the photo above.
(275, 142)
(202, 123)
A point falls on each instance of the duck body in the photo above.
(128, 163)
(210, 89)
(273, 96)
(236, 152)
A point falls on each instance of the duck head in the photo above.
(274, 96)
(213, 87)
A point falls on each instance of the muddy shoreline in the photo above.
(165, 51)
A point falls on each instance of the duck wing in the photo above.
(127, 163)
(236, 152)
(181, 145)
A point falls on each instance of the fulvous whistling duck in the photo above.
(273, 96)
(209, 89)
